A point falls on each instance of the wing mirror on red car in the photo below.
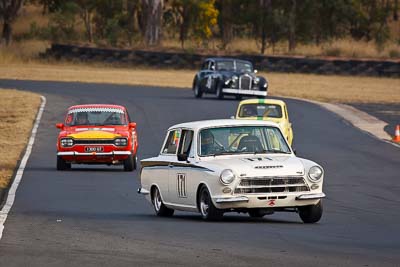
(132, 125)
(60, 125)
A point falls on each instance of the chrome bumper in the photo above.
(113, 153)
(310, 196)
(231, 200)
(244, 92)
(143, 191)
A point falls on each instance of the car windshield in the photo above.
(232, 65)
(241, 140)
(260, 110)
(243, 66)
(95, 116)
(226, 65)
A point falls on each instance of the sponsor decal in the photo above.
(271, 202)
(181, 185)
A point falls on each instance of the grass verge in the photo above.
(18, 110)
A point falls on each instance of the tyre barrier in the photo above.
(333, 66)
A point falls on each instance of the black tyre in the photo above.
(62, 165)
(207, 209)
(311, 213)
(135, 162)
(129, 164)
(220, 94)
(197, 90)
(159, 207)
(256, 213)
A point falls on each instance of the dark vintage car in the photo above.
(228, 76)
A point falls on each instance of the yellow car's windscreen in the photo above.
(260, 110)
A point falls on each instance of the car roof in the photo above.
(196, 125)
(262, 101)
(226, 58)
(96, 106)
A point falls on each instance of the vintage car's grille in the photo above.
(93, 141)
(245, 82)
(256, 185)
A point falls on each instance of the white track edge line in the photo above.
(20, 171)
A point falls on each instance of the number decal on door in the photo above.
(181, 183)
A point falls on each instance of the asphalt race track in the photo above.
(92, 215)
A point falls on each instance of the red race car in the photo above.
(97, 134)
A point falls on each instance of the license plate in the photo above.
(94, 149)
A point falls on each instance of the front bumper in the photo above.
(244, 92)
(111, 154)
(267, 201)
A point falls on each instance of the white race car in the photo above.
(218, 166)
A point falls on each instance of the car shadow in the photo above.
(234, 219)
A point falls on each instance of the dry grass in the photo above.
(22, 52)
(345, 89)
(17, 112)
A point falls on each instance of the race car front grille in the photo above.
(245, 82)
(257, 185)
(93, 141)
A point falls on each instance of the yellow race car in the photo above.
(269, 110)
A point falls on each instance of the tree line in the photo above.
(267, 21)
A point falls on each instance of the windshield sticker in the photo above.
(77, 110)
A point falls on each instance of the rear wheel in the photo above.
(159, 207)
(129, 164)
(311, 213)
(207, 209)
(197, 90)
(62, 164)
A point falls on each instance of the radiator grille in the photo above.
(256, 185)
(245, 82)
(93, 141)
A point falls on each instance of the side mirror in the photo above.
(255, 71)
(60, 126)
(132, 125)
(182, 157)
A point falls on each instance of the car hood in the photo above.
(258, 165)
(95, 132)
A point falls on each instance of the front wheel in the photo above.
(130, 164)
(311, 213)
(62, 164)
(207, 209)
(159, 207)
(197, 90)
(220, 94)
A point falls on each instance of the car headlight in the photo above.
(256, 80)
(234, 78)
(67, 142)
(120, 142)
(227, 177)
(315, 173)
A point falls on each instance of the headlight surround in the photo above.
(315, 174)
(67, 142)
(227, 176)
(121, 142)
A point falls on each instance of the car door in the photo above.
(208, 79)
(167, 157)
(181, 172)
